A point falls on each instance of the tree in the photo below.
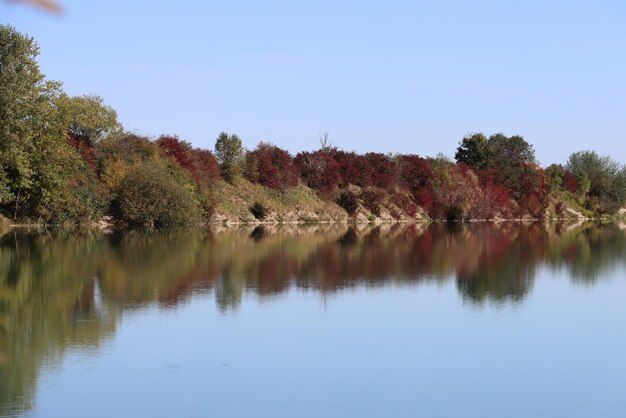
(39, 171)
(473, 151)
(604, 177)
(229, 153)
(509, 161)
(88, 118)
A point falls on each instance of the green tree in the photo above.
(473, 151)
(605, 180)
(229, 153)
(87, 117)
(509, 159)
(506, 150)
(38, 169)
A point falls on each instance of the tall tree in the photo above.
(473, 151)
(229, 153)
(37, 166)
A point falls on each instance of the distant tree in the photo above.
(473, 151)
(503, 150)
(603, 180)
(229, 154)
(325, 143)
(510, 159)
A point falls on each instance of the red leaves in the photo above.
(200, 163)
(85, 149)
(319, 170)
(276, 168)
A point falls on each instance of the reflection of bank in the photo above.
(48, 305)
(59, 292)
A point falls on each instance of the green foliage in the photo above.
(601, 178)
(505, 150)
(88, 117)
(155, 195)
(229, 153)
(41, 176)
(473, 151)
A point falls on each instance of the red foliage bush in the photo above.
(201, 164)
(413, 172)
(276, 168)
(382, 169)
(571, 184)
(318, 170)
(177, 149)
(532, 193)
(353, 168)
(425, 197)
(205, 167)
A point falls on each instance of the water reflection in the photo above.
(65, 291)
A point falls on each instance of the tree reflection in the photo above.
(59, 291)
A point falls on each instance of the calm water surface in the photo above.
(477, 321)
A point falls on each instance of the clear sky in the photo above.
(401, 76)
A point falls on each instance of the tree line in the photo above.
(67, 159)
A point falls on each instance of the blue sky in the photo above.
(401, 76)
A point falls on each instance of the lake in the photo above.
(474, 320)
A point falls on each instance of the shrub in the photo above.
(258, 211)
(347, 200)
(383, 170)
(275, 166)
(414, 173)
(319, 171)
(153, 195)
(353, 169)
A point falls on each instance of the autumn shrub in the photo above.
(201, 164)
(353, 168)
(382, 169)
(276, 168)
(319, 171)
(414, 173)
